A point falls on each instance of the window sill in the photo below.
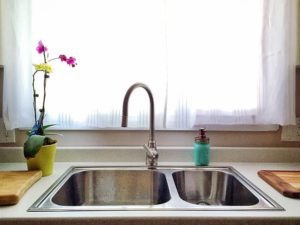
(253, 128)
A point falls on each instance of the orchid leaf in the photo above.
(37, 129)
(47, 126)
(33, 145)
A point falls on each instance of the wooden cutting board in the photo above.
(13, 185)
(286, 182)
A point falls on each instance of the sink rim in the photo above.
(174, 204)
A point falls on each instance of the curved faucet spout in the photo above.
(125, 107)
(152, 154)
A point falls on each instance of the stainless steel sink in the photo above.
(165, 188)
(113, 187)
(213, 188)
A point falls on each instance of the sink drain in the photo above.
(202, 203)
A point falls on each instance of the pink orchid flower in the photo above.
(71, 61)
(41, 47)
(63, 58)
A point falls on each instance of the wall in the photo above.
(298, 36)
(1, 61)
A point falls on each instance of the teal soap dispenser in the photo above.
(201, 149)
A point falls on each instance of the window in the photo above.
(206, 62)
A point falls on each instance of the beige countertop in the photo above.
(18, 214)
(249, 170)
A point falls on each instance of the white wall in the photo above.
(298, 32)
(1, 62)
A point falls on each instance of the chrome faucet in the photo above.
(151, 151)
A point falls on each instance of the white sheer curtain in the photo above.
(215, 58)
(234, 61)
(117, 43)
(279, 58)
(207, 62)
(15, 37)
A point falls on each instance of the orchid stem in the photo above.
(44, 96)
(35, 95)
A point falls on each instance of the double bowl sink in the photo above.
(165, 188)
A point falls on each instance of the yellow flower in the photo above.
(43, 67)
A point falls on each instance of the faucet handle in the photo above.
(151, 156)
(151, 151)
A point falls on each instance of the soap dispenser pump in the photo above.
(201, 149)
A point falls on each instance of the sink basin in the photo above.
(165, 188)
(212, 188)
(113, 187)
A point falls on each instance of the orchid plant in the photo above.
(37, 135)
